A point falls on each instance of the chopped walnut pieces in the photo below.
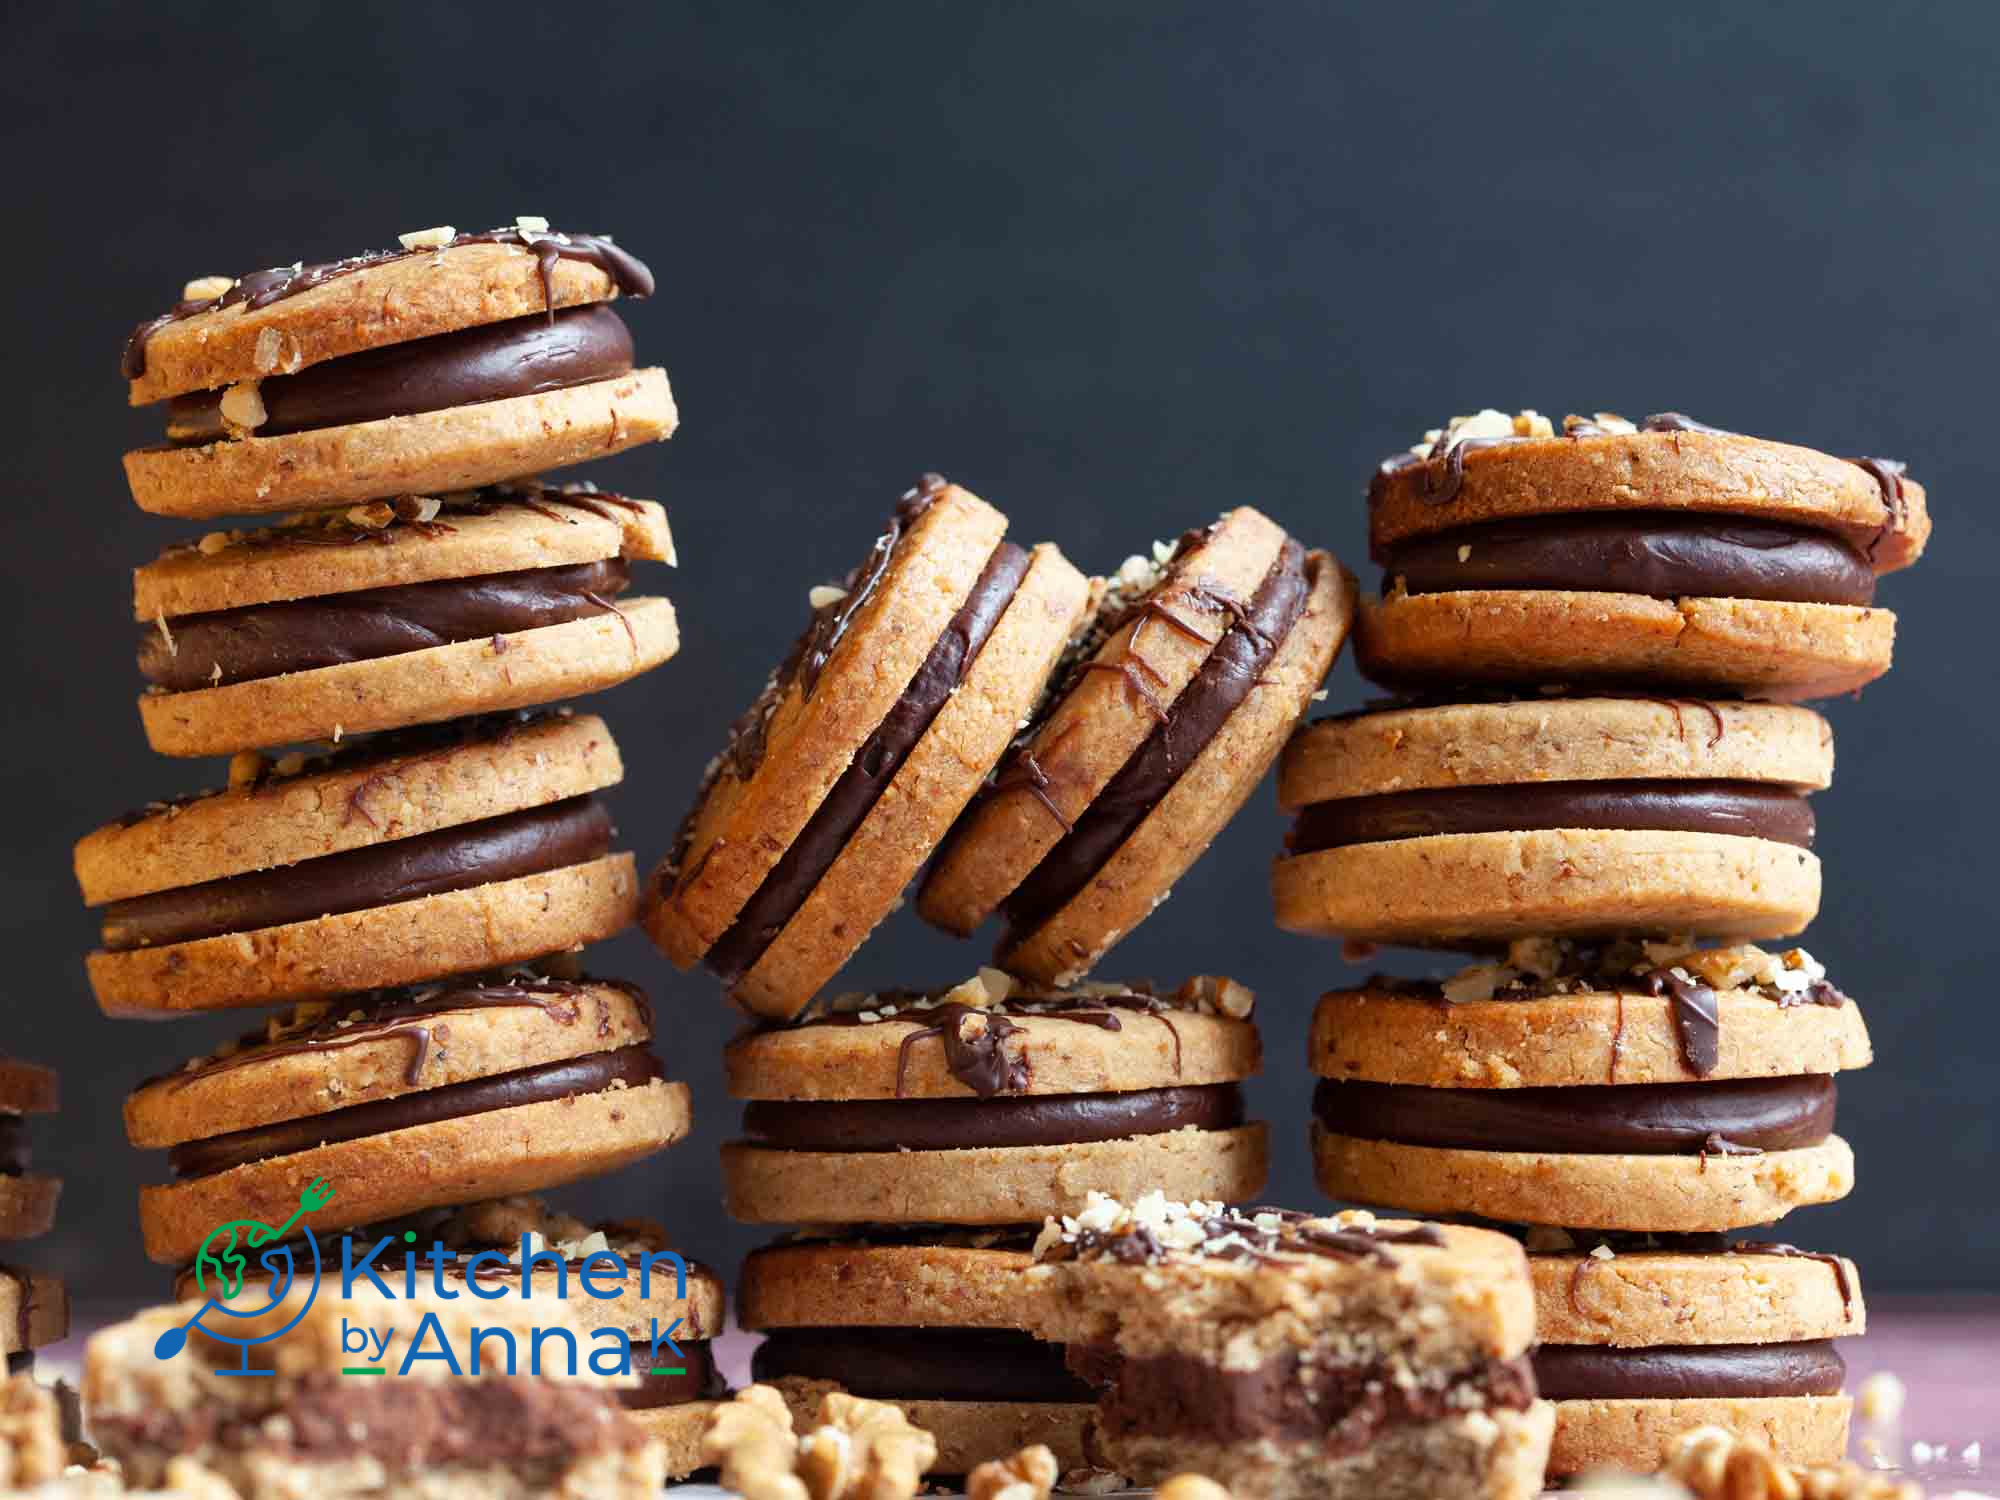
(1717, 1464)
(1091, 1482)
(212, 543)
(1216, 995)
(1028, 1475)
(858, 1449)
(373, 516)
(246, 768)
(243, 408)
(1191, 1487)
(1485, 425)
(31, 1444)
(435, 238)
(206, 288)
(418, 508)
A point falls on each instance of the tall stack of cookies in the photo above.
(409, 850)
(1066, 748)
(1597, 779)
(34, 1306)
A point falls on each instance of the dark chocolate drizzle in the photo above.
(980, 1061)
(1673, 421)
(1697, 1018)
(1888, 473)
(262, 288)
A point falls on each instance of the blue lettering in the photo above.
(482, 1290)
(535, 1349)
(529, 1260)
(481, 1335)
(613, 1347)
(430, 1324)
(349, 1269)
(591, 1270)
(666, 1336)
(646, 1273)
(437, 1255)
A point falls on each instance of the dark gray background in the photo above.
(1115, 267)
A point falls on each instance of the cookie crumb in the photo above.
(434, 238)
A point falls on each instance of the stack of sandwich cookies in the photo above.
(1472, 824)
(34, 1306)
(994, 1104)
(395, 861)
(395, 613)
(501, 1244)
(1174, 701)
(1330, 1357)
(455, 361)
(1661, 1094)
(884, 719)
(931, 1319)
(1665, 551)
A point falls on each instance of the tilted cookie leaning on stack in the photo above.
(416, 879)
(1629, 1095)
(34, 1306)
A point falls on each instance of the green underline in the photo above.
(363, 1370)
(677, 1370)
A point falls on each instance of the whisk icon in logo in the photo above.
(222, 1262)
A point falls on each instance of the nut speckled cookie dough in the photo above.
(881, 724)
(927, 1320)
(27, 1199)
(1631, 1085)
(1643, 1336)
(452, 362)
(1664, 552)
(1583, 817)
(996, 1102)
(394, 861)
(406, 1100)
(1177, 697)
(392, 614)
(1299, 1356)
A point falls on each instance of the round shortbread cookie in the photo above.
(1595, 1036)
(459, 448)
(1664, 1194)
(1202, 799)
(28, 1205)
(459, 932)
(1701, 472)
(1637, 1298)
(387, 297)
(515, 1150)
(1104, 713)
(895, 1058)
(1636, 1435)
(28, 1088)
(34, 1310)
(678, 1429)
(359, 794)
(502, 530)
(993, 1185)
(858, 1283)
(786, 754)
(1452, 890)
(1760, 648)
(915, 810)
(968, 1433)
(521, 670)
(333, 1057)
(1553, 739)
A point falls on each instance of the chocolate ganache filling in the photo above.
(971, 1124)
(571, 832)
(633, 1066)
(1655, 1119)
(934, 1364)
(1586, 1372)
(1659, 555)
(14, 1155)
(520, 357)
(1235, 666)
(329, 630)
(1341, 1407)
(1746, 809)
(881, 756)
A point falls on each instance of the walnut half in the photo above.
(856, 1449)
(1028, 1475)
(1717, 1464)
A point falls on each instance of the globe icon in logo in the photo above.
(222, 1264)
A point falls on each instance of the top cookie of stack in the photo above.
(455, 361)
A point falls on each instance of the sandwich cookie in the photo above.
(1643, 1338)
(1633, 1087)
(483, 1244)
(458, 360)
(498, 1429)
(388, 862)
(397, 613)
(992, 1104)
(1332, 1357)
(1197, 664)
(404, 1101)
(881, 724)
(34, 1312)
(1470, 824)
(1664, 552)
(27, 1200)
(932, 1322)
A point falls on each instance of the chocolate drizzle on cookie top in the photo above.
(260, 289)
(1154, 1229)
